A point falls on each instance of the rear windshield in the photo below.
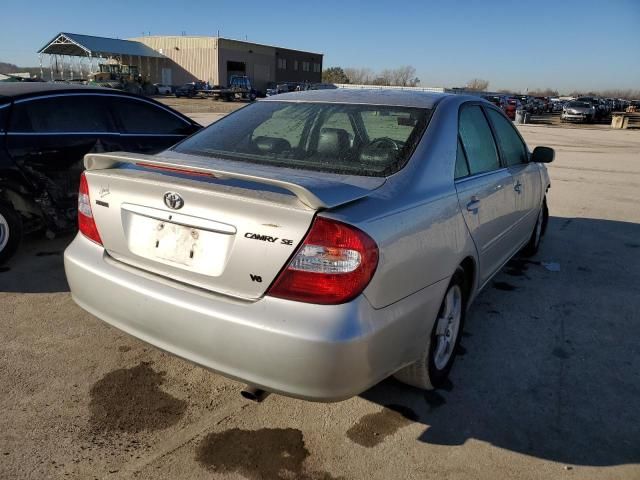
(365, 140)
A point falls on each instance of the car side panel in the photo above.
(527, 199)
(419, 245)
(486, 201)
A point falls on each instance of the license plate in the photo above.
(175, 243)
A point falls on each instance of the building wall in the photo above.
(207, 59)
(293, 70)
(259, 61)
(192, 58)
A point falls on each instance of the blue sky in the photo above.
(564, 44)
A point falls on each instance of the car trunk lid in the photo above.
(223, 226)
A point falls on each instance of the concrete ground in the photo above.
(547, 385)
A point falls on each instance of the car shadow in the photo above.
(550, 362)
(37, 266)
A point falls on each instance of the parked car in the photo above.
(599, 108)
(513, 105)
(45, 131)
(163, 89)
(499, 101)
(539, 106)
(313, 243)
(188, 90)
(528, 105)
(577, 111)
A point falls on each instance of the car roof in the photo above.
(13, 90)
(392, 97)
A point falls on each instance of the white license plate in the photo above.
(175, 243)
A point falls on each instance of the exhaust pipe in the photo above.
(254, 394)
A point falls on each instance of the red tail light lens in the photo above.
(86, 223)
(334, 265)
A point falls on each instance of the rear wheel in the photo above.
(10, 231)
(433, 367)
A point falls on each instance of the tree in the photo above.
(359, 76)
(477, 85)
(545, 92)
(334, 75)
(405, 76)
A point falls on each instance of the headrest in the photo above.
(271, 144)
(333, 142)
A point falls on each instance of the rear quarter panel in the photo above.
(415, 217)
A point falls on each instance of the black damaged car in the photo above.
(45, 131)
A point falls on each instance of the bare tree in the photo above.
(477, 85)
(405, 76)
(545, 92)
(359, 76)
(402, 76)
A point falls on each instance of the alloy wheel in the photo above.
(448, 327)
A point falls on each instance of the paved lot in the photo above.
(548, 387)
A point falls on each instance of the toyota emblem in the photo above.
(173, 200)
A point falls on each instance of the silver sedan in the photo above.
(314, 243)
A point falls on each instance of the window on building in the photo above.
(317, 68)
(282, 63)
(305, 66)
(295, 65)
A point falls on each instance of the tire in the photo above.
(432, 369)
(532, 247)
(10, 231)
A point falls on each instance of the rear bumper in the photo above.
(315, 352)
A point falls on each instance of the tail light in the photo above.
(334, 265)
(86, 223)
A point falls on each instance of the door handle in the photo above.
(473, 205)
(518, 187)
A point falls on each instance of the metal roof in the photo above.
(399, 98)
(75, 44)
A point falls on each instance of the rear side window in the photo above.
(356, 139)
(462, 167)
(511, 147)
(136, 116)
(62, 114)
(477, 140)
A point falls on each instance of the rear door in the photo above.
(484, 190)
(527, 189)
(146, 127)
(48, 137)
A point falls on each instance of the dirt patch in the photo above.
(265, 454)
(124, 348)
(373, 428)
(130, 400)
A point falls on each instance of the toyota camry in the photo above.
(313, 243)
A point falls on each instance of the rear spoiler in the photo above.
(317, 190)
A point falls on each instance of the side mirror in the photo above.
(543, 155)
